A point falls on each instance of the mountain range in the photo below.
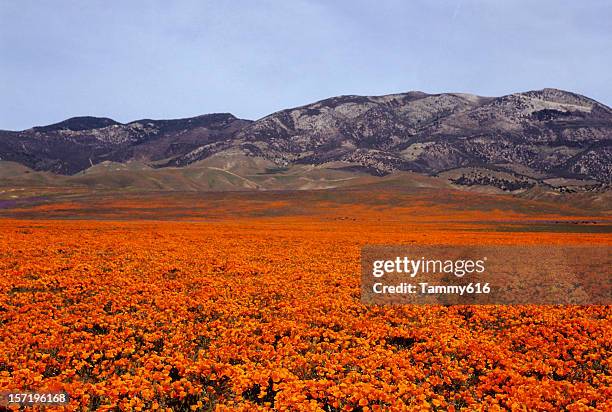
(548, 137)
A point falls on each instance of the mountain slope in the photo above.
(81, 142)
(534, 136)
(550, 131)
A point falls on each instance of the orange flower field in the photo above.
(262, 313)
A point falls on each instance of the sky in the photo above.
(129, 60)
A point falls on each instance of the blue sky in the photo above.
(159, 59)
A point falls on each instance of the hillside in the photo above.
(514, 142)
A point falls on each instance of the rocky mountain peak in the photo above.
(77, 124)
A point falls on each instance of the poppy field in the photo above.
(263, 313)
